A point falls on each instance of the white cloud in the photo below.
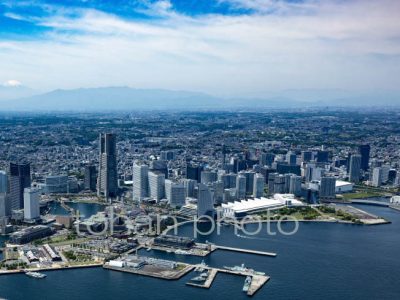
(330, 44)
(12, 83)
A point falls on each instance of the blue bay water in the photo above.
(321, 261)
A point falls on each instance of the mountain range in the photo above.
(126, 98)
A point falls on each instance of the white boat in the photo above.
(182, 252)
(36, 275)
(247, 284)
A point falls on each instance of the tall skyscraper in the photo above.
(291, 158)
(156, 185)
(295, 185)
(31, 204)
(266, 159)
(205, 203)
(90, 178)
(258, 188)
(241, 186)
(107, 181)
(377, 176)
(140, 181)
(19, 179)
(306, 156)
(355, 168)
(175, 193)
(193, 172)
(208, 176)
(4, 205)
(322, 156)
(3, 182)
(327, 190)
(365, 153)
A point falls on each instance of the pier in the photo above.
(257, 281)
(248, 251)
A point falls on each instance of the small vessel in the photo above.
(201, 267)
(199, 279)
(182, 252)
(247, 284)
(149, 249)
(240, 268)
(169, 251)
(36, 275)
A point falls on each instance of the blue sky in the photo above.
(222, 47)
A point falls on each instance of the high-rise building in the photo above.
(156, 185)
(190, 186)
(56, 184)
(266, 159)
(19, 179)
(31, 204)
(193, 172)
(167, 155)
(327, 190)
(322, 156)
(107, 181)
(241, 186)
(291, 158)
(90, 178)
(365, 153)
(355, 168)
(208, 176)
(4, 205)
(175, 193)
(159, 166)
(377, 177)
(140, 181)
(258, 188)
(205, 203)
(271, 182)
(279, 184)
(306, 156)
(295, 185)
(3, 182)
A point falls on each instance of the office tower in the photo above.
(271, 182)
(189, 185)
(322, 156)
(167, 155)
(385, 173)
(258, 188)
(159, 166)
(156, 185)
(392, 175)
(217, 190)
(193, 172)
(208, 176)
(266, 159)
(140, 181)
(355, 168)
(205, 203)
(287, 182)
(327, 190)
(31, 204)
(284, 168)
(228, 180)
(295, 185)
(364, 151)
(19, 179)
(3, 182)
(377, 177)
(279, 184)
(56, 184)
(291, 158)
(4, 205)
(249, 181)
(90, 178)
(175, 193)
(107, 181)
(306, 156)
(241, 186)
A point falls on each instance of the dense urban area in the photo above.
(149, 172)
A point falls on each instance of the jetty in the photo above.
(240, 250)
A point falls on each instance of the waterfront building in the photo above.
(295, 185)
(377, 177)
(205, 203)
(19, 179)
(107, 181)
(140, 181)
(31, 204)
(355, 168)
(29, 234)
(4, 205)
(156, 185)
(258, 188)
(175, 193)
(90, 178)
(327, 189)
(56, 184)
